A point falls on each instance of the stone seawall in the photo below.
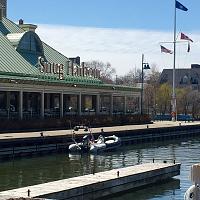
(26, 144)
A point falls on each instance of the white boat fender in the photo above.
(193, 193)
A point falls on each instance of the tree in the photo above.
(195, 103)
(130, 79)
(149, 98)
(152, 80)
(107, 71)
(183, 100)
(163, 98)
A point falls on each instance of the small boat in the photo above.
(105, 144)
(80, 146)
(88, 144)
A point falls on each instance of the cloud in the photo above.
(123, 48)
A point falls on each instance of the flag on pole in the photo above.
(165, 50)
(180, 6)
(185, 37)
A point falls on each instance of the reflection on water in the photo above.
(167, 189)
(35, 170)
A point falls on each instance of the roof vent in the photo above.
(75, 60)
(21, 21)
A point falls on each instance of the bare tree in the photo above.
(131, 78)
(149, 98)
(164, 98)
(195, 103)
(107, 71)
(183, 100)
(151, 80)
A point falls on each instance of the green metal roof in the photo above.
(7, 26)
(24, 62)
(54, 56)
(12, 61)
(67, 82)
(21, 66)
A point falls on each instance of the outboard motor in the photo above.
(193, 192)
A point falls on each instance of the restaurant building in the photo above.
(36, 81)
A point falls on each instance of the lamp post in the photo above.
(144, 66)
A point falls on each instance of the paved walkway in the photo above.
(158, 124)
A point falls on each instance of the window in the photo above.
(30, 43)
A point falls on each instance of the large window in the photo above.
(132, 104)
(118, 105)
(30, 42)
(105, 104)
(70, 104)
(2, 100)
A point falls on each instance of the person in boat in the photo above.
(91, 137)
(100, 139)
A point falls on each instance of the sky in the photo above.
(115, 31)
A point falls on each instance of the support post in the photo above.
(21, 104)
(42, 105)
(111, 104)
(61, 105)
(142, 87)
(80, 103)
(125, 106)
(98, 104)
(174, 64)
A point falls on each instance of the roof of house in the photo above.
(192, 74)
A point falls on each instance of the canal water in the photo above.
(34, 170)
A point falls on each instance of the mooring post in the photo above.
(118, 174)
(93, 171)
(29, 192)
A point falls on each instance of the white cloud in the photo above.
(121, 47)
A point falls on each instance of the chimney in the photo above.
(3, 9)
(75, 60)
(21, 21)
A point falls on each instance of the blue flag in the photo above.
(180, 6)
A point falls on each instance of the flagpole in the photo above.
(174, 66)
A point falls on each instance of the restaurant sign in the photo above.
(75, 70)
(72, 69)
(51, 68)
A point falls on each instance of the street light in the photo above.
(144, 66)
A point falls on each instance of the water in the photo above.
(34, 170)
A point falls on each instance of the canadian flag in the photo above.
(185, 37)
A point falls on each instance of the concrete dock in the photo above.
(32, 143)
(100, 184)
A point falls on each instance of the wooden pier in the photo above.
(100, 184)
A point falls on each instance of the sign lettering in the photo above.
(73, 70)
(51, 68)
